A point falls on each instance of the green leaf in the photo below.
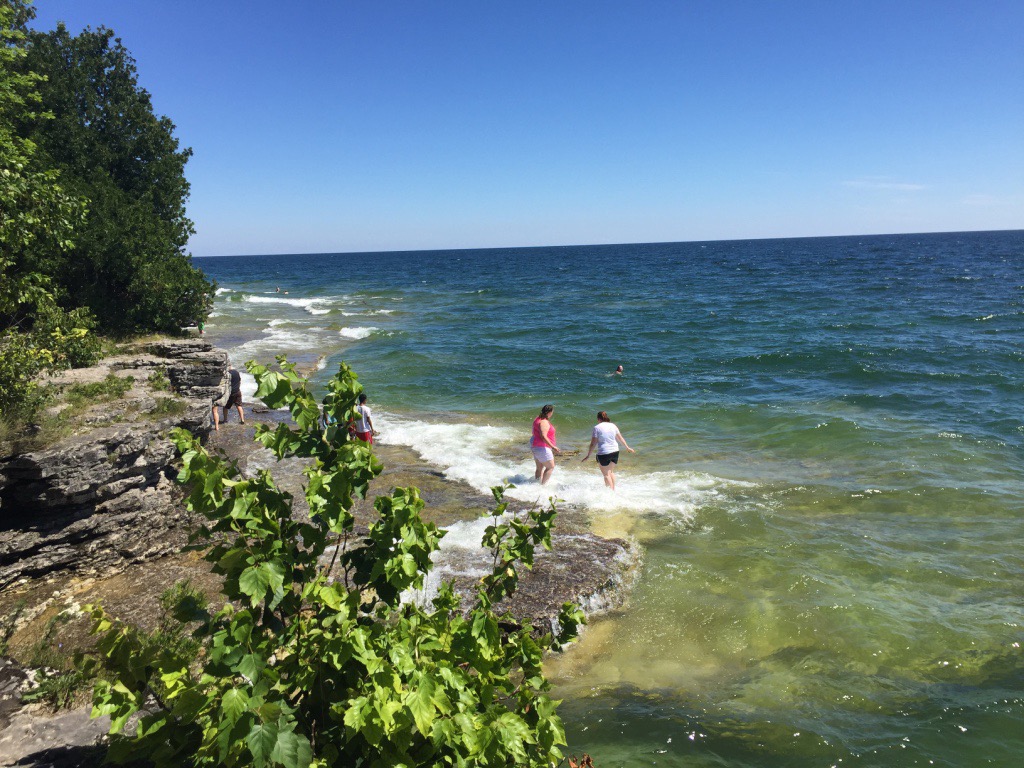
(355, 714)
(292, 750)
(420, 702)
(513, 733)
(331, 597)
(272, 388)
(261, 741)
(269, 711)
(254, 582)
(252, 666)
(234, 703)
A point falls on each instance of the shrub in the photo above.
(21, 360)
(315, 659)
(112, 387)
(69, 334)
(168, 406)
(158, 380)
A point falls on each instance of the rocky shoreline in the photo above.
(105, 497)
(97, 518)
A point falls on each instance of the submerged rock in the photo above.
(595, 573)
(581, 567)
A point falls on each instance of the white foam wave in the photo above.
(222, 291)
(315, 306)
(477, 455)
(278, 339)
(281, 300)
(357, 332)
(248, 386)
(277, 321)
(369, 312)
(460, 554)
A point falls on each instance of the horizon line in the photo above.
(601, 245)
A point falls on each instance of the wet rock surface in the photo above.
(581, 567)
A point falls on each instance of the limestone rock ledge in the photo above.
(105, 497)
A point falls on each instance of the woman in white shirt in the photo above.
(606, 438)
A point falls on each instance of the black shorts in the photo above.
(604, 459)
(235, 398)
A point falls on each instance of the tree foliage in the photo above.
(38, 336)
(314, 658)
(37, 216)
(128, 262)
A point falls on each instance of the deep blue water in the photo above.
(827, 485)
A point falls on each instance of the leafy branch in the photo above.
(301, 669)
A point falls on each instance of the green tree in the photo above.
(315, 660)
(35, 211)
(128, 263)
(37, 217)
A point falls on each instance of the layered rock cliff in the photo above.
(104, 495)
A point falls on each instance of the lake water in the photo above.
(827, 486)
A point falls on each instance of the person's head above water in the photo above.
(546, 411)
(618, 369)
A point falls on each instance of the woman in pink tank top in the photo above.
(543, 444)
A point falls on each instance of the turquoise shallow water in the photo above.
(827, 484)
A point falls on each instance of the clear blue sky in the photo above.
(350, 126)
